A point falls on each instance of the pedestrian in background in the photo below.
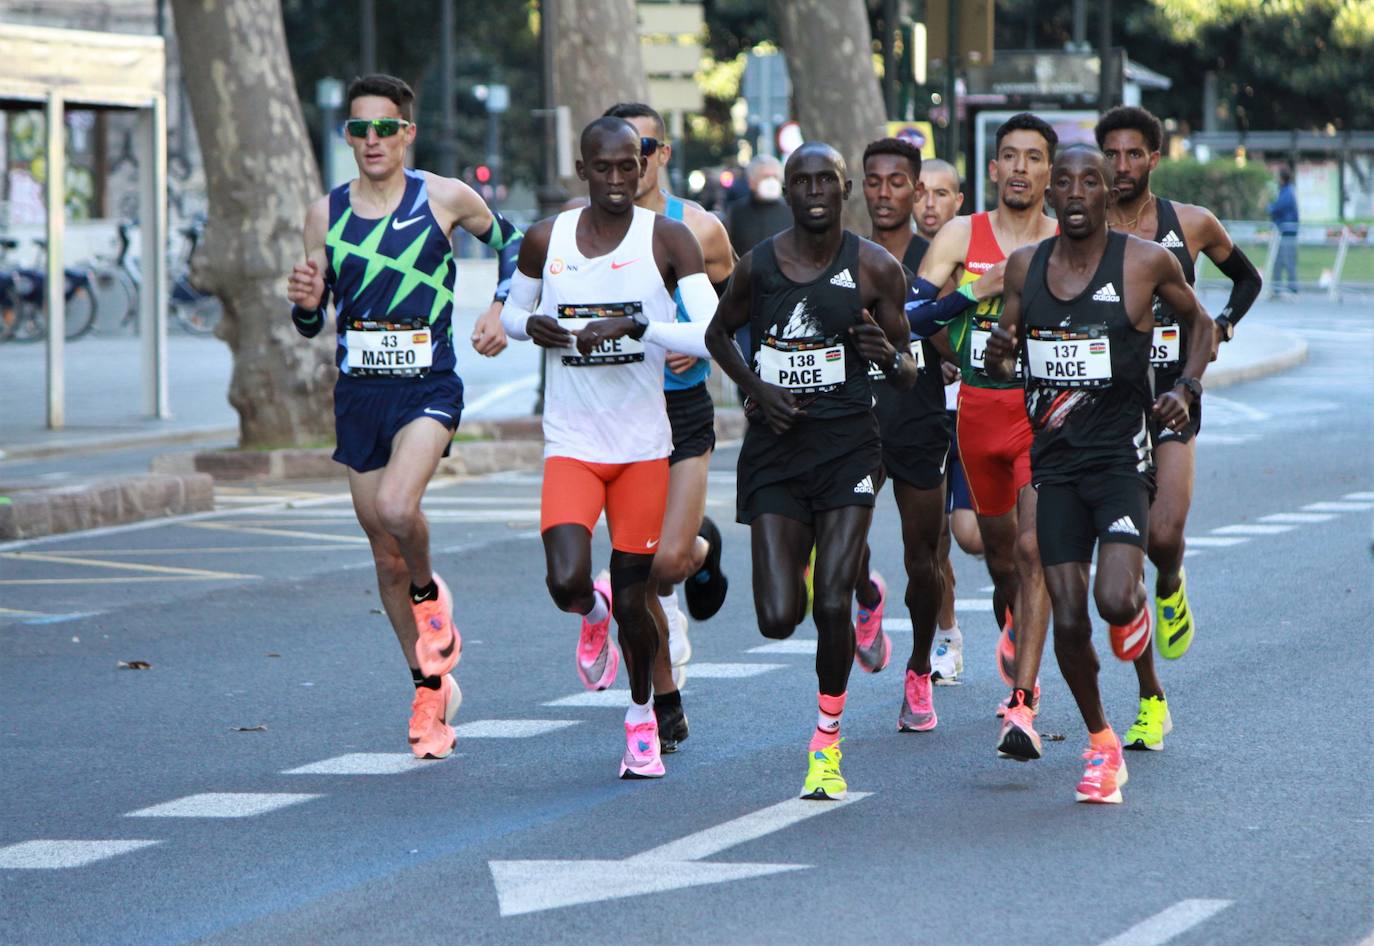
(1283, 210)
(752, 221)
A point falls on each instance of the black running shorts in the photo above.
(832, 464)
(693, 419)
(1107, 507)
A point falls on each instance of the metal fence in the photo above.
(1335, 259)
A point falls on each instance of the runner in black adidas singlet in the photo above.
(380, 246)
(915, 435)
(811, 451)
(1079, 310)
(1131, 138)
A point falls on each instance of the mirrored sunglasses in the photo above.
(384, 127)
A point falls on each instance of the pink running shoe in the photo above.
(597, 660)
(1103, 776)
(1018, 739)
(1006, 652)
(438, 645)
(872, 647)
(431, 736)
(642, 758)
(918, 712)
(1035, 702)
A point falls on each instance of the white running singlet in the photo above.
(609, 407)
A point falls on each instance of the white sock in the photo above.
(672, 611)
(600, 608)
(639, 713)
(953, 633)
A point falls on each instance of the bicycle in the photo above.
(23, 317)
(195, 312)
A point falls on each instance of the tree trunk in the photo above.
(261, 176)
(829, 50)
(596, 61)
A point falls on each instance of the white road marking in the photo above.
(803, 646)
(709, 671)
(1298, 517)
(50, 855)
(1212, 438)
(523, 383)
(1214, 541)
(1362, 497)
(121, 566)
(618, 697)
(284, 533)
(1338, 507)
(1249, 412)
(510, 728)
(1167, 924)
(222, 805)
(532, 886)
(1247, 528)
(363, 763)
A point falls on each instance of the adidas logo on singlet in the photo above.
(1126, 525)
(843, 279)
(1106, 294)
(865, 486)
(1171, 241)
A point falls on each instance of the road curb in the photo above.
(82, 447)
(1221, 376)
(29, 513)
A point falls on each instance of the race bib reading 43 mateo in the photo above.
(613, 351)
(802, 365)
(399, 348)
(1070, 358)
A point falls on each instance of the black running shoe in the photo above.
(672, 727)
(706, 589)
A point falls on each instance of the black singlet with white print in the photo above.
(1087, 373)
(799, 333)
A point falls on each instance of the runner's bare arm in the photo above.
(715, 245)
(306, 287)
(1005, 340)
(1211, 238)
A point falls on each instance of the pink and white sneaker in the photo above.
(872, 647)
(438, 645)
(918, 709)
(1103, 776)
(597, 660)
(642, 757)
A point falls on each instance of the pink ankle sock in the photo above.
(828, 721)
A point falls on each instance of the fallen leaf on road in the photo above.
(271, 654)
(258, 728)
(1052, 736)
(377, 611)
(133, 665)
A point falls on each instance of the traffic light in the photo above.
(483, 174)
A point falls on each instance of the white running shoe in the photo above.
(947, 658)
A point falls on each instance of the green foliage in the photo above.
(1229, 191)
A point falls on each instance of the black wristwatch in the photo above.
(1228, 328)
(1193, 386)
(641, 324)
(896, 361)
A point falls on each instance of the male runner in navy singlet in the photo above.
(380, 246)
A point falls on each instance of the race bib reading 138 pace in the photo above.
(802, 365)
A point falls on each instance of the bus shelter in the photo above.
(60, 70)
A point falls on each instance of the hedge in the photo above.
(1230, 192)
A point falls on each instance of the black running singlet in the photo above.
(1169, 349)
(799, 332)
(928, 394)
(1087, 373)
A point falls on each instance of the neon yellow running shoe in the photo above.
(1174, 625)
(823, 779)
(1151, 725)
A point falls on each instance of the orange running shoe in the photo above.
(1130, 641)
(1103, 776)
(431, 736)
(438, 645)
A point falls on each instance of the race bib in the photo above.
(395, 349)
(980, 331)
(802, 365)
(1165, 349)
(918, 351)
(1070, 358)
(613, 351)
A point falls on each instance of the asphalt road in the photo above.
(136, 812)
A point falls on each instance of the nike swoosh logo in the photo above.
(398, 225)
(651, 544)
(430, 410)
(615, 265)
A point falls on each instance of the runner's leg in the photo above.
(923, 515)
(1033, 606)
